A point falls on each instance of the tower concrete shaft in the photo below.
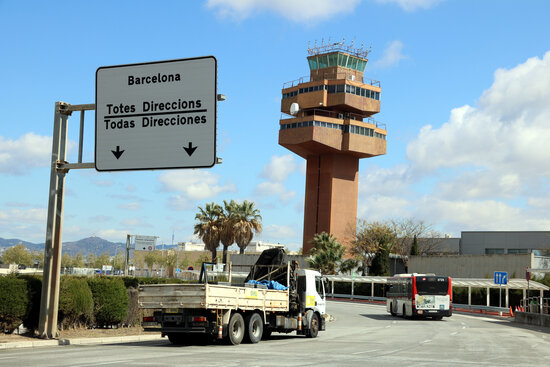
(332, 128)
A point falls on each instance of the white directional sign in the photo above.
(156, 115)
(145, 243)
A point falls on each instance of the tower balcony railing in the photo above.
(330, 76)
(335, 115)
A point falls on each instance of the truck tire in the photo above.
(235, 329)
(313, 327)
(392, 312)
(254, 328)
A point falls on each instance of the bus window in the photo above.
(432, 285)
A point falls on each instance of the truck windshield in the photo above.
(438, 286)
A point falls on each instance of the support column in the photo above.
(507, 302)
(127, 259)
(372, 289)
(469, 295)
(352, 288)
(488, 296)
(52, 249)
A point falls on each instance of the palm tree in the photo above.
(326, 254)
(209, 227)
(248, 221)
(228, 220)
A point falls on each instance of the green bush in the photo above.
(34, 291)
(13, 302)
(76, 304)
(110, 301)
(133, 318)
(134, 282)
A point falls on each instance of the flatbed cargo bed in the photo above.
(212, 296)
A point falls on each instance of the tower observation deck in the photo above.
(331, 126)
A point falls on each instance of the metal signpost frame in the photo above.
(156, 115)
(47, 327)
(501, 277)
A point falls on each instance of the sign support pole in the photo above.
(49, 301)
(52, 250)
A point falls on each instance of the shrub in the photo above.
(34, 291)
(13, 302)
(110, 301)
(76, 304)
(133, 318)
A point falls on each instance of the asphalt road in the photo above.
(361, 334)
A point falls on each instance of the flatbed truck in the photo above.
(234, 313)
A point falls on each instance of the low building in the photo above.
(504, 242)
(259, 246)
(190, 246)
(479, 266)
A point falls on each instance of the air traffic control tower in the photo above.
(331, 126)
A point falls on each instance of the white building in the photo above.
(190, 246)
(259, 246)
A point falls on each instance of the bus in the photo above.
(424, 295)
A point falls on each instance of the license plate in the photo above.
(171, 310)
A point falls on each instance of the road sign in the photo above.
(156, 115)
(145, 243)
(501, 277)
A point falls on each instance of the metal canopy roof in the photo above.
(456, 282)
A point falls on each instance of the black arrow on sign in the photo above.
(190, 149)
(117, 152)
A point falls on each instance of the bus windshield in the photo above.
(438, 286)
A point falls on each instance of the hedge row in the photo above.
(91, 302)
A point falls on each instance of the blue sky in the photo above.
(465, 98)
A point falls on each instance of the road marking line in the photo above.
(456, 332)
(8, 357)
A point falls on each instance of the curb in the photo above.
(80, 341)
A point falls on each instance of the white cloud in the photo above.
(393, 54)
(507, 131)
(25, 224)
(412, 5)
(484, 169)
(275, 188)
(104, 183)
(280, 167)
(135, 222)
(276, 172)
(297, 11)
(113, 235)
(277, 231)
(191, 186)
(130, 206)
(29, 151)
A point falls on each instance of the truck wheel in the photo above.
(313, 327)
(254, 328)
(392, 312)
(235, 329)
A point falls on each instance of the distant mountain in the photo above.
(95, 245)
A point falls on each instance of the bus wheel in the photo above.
(313, 327)
(235, 329)
(254, 328)
(392, 312)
